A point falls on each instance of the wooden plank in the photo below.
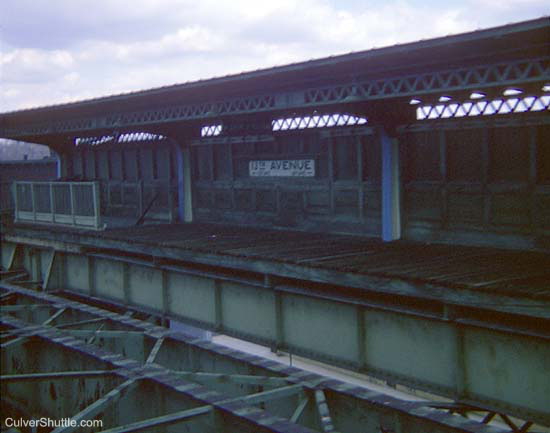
(266, 246)
(434, 264)
(318, 250)
(419, 265)
(317, 259)
(353, 271)
(486, 265)
(514, 277)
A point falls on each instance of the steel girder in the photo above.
(456, 355)
(355, 90)
(84, 363)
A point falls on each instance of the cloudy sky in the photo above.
(54, 51)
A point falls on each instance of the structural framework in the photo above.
(385, 211)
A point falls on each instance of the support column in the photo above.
(218, 312)
(331, 174)
(14, 255)
(185, 210)
(62, 164)
(58, 165)
(391, 215)
(36, 265)
(91, 276)
(46, 282)
(361, 338)
(61, 269)
(126, 283)
(165, 298)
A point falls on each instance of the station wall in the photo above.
(343, 194)
(472, 183)
(477, 184)
(131, 176)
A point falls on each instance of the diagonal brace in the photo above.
(54, 316)
(324, 413)
(154, 351)
(98, 406)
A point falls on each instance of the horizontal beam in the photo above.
(103, 334)
(24, 307)
(355, 90)
(449, 355)
(53, 343)
(54, 375)
(350, 405)
(262, 397)
(235, 378)
(80, 323)
(428, 294)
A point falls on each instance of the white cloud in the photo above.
(59, 50)
(183, 41)
(32, 65)
(71, 77)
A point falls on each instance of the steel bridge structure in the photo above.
(415, 247)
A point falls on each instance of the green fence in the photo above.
(62, 203)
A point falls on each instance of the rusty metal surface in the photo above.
(216, 261)
(507, 272)
(263, 399)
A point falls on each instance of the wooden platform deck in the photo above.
(485, 269)
(524, 274)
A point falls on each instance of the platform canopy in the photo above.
(378, 84)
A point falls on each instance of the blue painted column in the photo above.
(391, 215)
(61, 164)
(185, 213)
(58, 165)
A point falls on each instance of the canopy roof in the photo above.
(366, 82)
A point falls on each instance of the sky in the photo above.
(56, 51)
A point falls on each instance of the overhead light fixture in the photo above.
(445, 98)
(512, 92)
(546, 88)
(477, 95)
(414, 101)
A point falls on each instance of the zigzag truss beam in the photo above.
(356, 90)
(117, 381)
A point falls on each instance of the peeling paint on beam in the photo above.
(194, 300)
(164, 420)
(368, 402)
(54, 375)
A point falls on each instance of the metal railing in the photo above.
(65, 203)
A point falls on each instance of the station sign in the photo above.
(282, 168)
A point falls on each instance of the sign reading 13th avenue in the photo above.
(282, 168)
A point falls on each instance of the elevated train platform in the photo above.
(451, 320)
(339, 259)
(385, 212)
